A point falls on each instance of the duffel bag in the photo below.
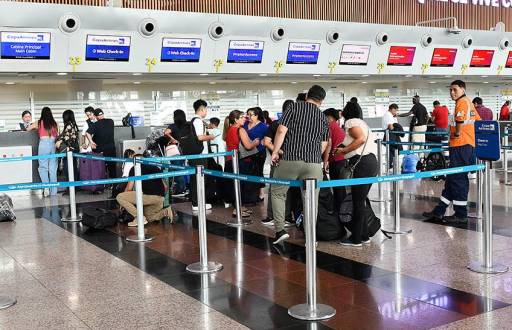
(98, 218)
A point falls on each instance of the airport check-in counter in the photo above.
(15, 144)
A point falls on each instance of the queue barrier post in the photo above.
(479, 195)
(487, 266)
(203, 266)
(311, 311)
(72, 197)
(238, 221)
(396, 200)
(6, 302)
(141, 236)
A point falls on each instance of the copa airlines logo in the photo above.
(483, 3)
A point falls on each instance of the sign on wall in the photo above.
(243, 51)
(401, 55)
(107, 48)
(443, 57)
(354, 54)
(481, 58)
(180, 50)
(303, 53)
(25, 45)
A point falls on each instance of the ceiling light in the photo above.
(408, 76)
(447, 76)
(136, 74)
(317, 75)
(203, 74)
(431, 82)
(363, 82)
(10, 83)
(136, 82)
(294, 82)
(485, 76)
(263, 74)
(366, 75)
(62, 73)
(486, 82)
(212, 82)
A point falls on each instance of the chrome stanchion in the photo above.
(203, 266)
(487, 266)
(238, 221)
(6, 302)
(396, 192)
(479, 195)
(311, 311)
(380, 184)
(72, 197)
(388, 163)
(140, 237)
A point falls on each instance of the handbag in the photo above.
(348, 171)
(244, 152)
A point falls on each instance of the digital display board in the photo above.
(509, 60)
(401, 55)
(303, 53)
(481, 58)
(354, 54)
(107, 48)
(180, 50)
(443, 57)
(25, 45)
(244, 51)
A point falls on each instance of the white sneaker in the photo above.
(472, 176)
(196, 208)
(134, 223)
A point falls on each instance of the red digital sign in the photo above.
(481, 58)
(509, 60)
(443, 57)
(399, 55)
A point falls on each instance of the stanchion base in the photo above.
(6, 302)
(397, 232)
(211, 267)
(136, 239)
(69, 219)
(235, 223)
(474, 216)
(477, 267)
(303, 312)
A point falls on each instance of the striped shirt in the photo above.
(307, 129)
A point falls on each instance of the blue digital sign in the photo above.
(107, 48)
(303, 53)
(25, 45)
(487, 138)
(241, 51)
(180, 50)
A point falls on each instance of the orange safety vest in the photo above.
(465, 114)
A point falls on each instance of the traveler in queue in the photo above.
(462, 148)
(234, 135)
(173, 130)
(303, 134)
(153, 192)
(26, 124)
(359, 109)
(68, 139)
(360, 150)
(48, 132)
(440, 117)
(90, 120)
(484, 112)
(101, 137)
(388, 122)
(505, 111)
(214, 129)
(418, 122)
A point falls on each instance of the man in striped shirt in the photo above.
(302, 135)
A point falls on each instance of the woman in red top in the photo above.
(333, 162)
(234, 133)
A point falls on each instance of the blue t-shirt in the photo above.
(257, 132)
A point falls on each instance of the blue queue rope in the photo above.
(434, 144)
(422, 151)
(424, 133)
(103, 158)
(250, 178)
(19, 159)
(164, 165)
(191, 157)
(400, 177)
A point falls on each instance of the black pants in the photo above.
(367, 167)
(111, 166)
(193, 184)
(334, 174)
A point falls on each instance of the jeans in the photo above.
(47, 167)
(179, 181)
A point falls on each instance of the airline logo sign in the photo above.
(180, 50)
(245, 51)
(303, 53)
(483, 3)
(107, 48)
(25, 45)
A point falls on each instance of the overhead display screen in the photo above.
(481, 58)
(25, 45)
(354, 54)
(243, 51)
(509, 60)
(401, 55)
(303, 53)
(443, 57)
(180, 50)
(107, 48)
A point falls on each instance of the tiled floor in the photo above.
(66, 276)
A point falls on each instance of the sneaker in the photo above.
(281, 236)
(267, 222)
(288, 224)
(432, 217)
(180, 194)
(453, 219)
(349, 242)
(472, 176)
(134, 223)
(366, 241)
(195, 208)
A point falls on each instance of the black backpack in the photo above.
(98, 218)
(187, 138)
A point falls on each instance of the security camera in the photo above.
(277, 33)
(216, 30)
(147, 27)
(333, 36)
(426, 40)
(504, 43)
(69, 23)
(467, 41)
(382, 38)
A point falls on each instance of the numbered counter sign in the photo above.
(487, 138)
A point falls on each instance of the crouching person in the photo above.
(153, 192)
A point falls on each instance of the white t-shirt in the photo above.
(200, 130)
(218, 139)
(126, 169)
(388, 119)
(371, 146)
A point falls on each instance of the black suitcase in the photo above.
(98, 218)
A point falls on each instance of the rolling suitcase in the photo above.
(92, 170)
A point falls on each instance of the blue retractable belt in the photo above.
(191, 157)
(105, 159)
(421, 151)
(19, 159)
(250, 178)
(415, 143)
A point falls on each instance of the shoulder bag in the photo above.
(348, 171)
(243, 152)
